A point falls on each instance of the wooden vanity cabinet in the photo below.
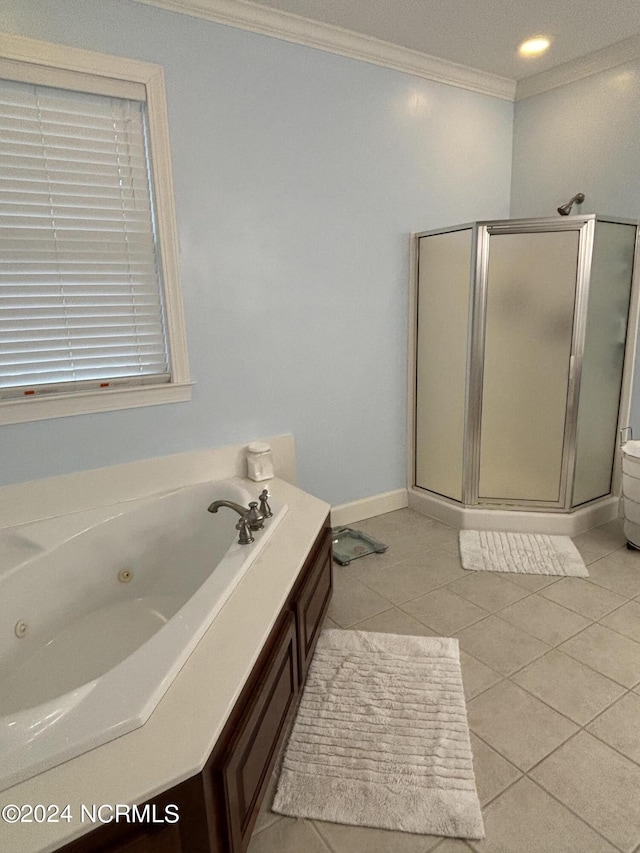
(218, 807)
(242, 761)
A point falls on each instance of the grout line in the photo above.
(572, 811)
(323, 840)
(525, 773)
(499, 610)
(262, 829)
(601, 739)
(366, 618)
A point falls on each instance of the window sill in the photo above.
(89, 402)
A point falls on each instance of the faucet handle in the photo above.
(265, 509)
(245, 537)
(254, 518)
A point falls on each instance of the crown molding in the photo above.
(294, 28)
(570, 72)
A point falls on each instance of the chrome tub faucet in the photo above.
(251, 518)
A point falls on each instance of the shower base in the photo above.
(516, 521)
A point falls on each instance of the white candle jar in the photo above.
(259, 461)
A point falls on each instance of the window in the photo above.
(90, 308)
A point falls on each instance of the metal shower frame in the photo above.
(481, 232)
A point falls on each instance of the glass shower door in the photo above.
(529, 313)
(603, 359)
(442, 321)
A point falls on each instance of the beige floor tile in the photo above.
(598, 784)
(400, 538)
(520, 727)
(589, 556)
(616, 525)
(583, 597)
(373, 562)
(493, 772)
(394, 621)
(614, 573)
(525, 819)
(405, 527)
(619, 726)
(451, 845)
(625, 620)
(601, 540)
(288, 836)
(360, 839)
(628, 556)
(608, 652)
(444, 611)
(407, 518)
(265, 816)
(476, 676)
(500, 645)
(437, 535)
(490, 590)
(329, 623)
(453, 546)
(532, 582)
(572, 688)
(544, 619)
(414, 577)
(352, 601)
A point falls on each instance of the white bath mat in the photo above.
(527, 553)
(381, 738)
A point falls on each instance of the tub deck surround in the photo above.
(54, 497)
(117, 610)
(182, 731)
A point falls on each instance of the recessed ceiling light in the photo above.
(534, 46)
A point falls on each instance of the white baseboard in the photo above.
(368, 507)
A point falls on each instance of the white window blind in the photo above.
(81, 297)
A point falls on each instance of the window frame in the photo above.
(18, 54)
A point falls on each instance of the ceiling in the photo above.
(481, 34)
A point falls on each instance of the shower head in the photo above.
(565, 210)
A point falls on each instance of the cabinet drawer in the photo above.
(259, 733)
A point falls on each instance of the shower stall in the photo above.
(523, 337)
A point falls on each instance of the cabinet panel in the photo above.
(189, 834)
(312, 601)
(251, 754)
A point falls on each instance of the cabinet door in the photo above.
(530, 299)
(312, 601)
(252, 751)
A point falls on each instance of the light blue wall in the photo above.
(583, 137)
(299, 176)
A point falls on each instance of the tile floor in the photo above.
(551, 669)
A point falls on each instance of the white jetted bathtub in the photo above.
(94, 630)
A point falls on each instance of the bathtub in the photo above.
(94, 628)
